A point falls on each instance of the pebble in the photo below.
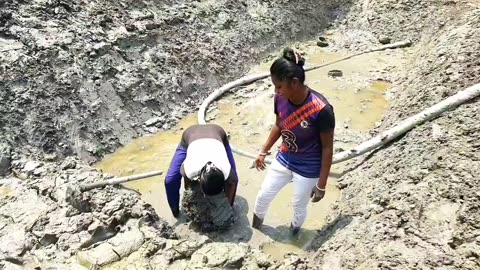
(384, 40)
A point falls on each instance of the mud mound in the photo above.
(209, 214)
(85, 79)
(377, 21)
(38, 226)
(414, 203)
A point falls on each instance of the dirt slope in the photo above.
(414, 204)
(85, 77)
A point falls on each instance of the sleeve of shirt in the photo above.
(233, 174)
(326, 119)
(173, 179)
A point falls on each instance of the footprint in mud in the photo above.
(280, 233)
(283, 241)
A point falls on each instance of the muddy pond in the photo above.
(247, 115)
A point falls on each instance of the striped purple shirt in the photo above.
(301, 125)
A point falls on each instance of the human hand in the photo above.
(260, 163)
(317, 194)
(176, 212)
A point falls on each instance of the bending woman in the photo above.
(305, 121)
(203, 156)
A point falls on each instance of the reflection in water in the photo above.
(248, 120)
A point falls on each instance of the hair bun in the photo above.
(293, 57)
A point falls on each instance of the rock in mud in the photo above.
(438, 133)
(384, 40)
(292, 261)
(69, 164)
(322, 42)
(183, 249)
(153, 121)
(99, 234)
(13, 243)
(22, 210)
(222, 255)
(261, 259)
(130, 27)
(152, 26)
(335, 73)
(77, 199)
(31, 166)
(50, 157)
(5, 159)
(122, 245)
(48, 239)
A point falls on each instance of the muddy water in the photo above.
(247, 115)
(6, 192)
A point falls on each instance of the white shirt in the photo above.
(201, 151)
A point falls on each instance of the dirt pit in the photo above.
(359, 99)
(79, 81)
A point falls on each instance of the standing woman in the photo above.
(305, 121)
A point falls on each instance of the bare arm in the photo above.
(272, 138)
(327, 154)
(231, 187)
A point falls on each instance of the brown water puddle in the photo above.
(356, 97)
(6, 192)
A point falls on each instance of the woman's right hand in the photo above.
(260, 163)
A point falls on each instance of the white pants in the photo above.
(277, 177)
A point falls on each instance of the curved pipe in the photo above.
(381, 139)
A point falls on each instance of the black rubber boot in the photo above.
(257, 222)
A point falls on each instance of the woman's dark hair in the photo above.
(212, 180)
(289, 66)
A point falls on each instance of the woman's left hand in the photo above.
(260, 163)
(317, 194)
